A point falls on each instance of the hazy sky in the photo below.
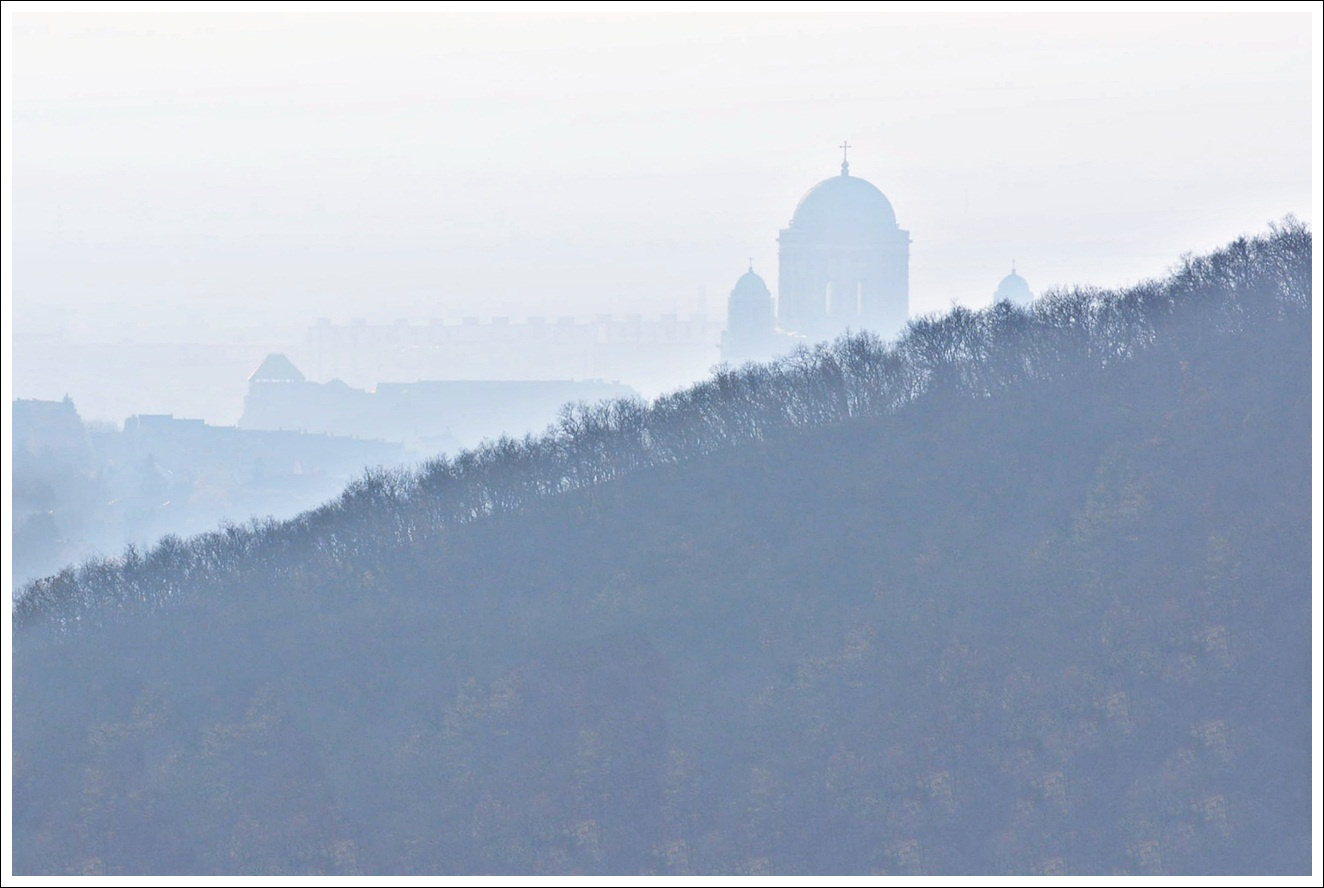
(265, 164)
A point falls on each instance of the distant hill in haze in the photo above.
(1028, 591)
(82, 488)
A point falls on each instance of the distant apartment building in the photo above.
(650, 355)
(427, 416)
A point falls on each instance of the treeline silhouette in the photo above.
(1027, 591)
(962, 353)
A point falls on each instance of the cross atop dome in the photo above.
(845, 164)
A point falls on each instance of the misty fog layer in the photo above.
(195, 185)
(1026, 592)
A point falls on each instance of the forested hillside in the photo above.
(1027, 591)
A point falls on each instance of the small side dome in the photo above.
(750, 286)
(1014, 289)
(750, 323)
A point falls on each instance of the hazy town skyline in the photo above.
(210, 171)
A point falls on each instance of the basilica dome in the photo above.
(1014, 289)
(842, 204)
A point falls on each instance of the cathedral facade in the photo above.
(844, 264)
